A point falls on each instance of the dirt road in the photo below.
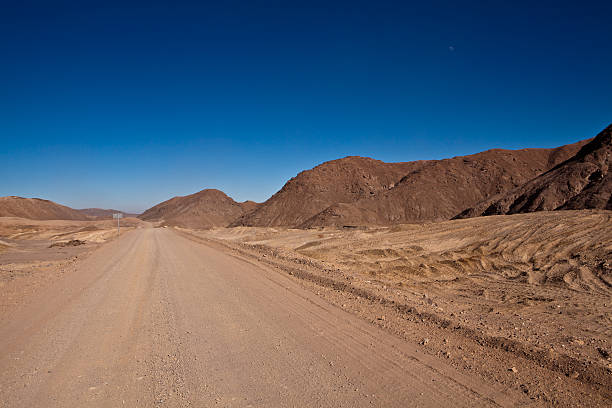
(155, 319)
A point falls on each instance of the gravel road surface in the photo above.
(155, 319)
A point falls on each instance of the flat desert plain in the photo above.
(34, 253)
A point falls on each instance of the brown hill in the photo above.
(439, 189)
(581, 182)
(205, 209)
(338, 181)
(37, 209)
(358, 191)
(99, 213)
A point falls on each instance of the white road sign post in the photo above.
(118, 216)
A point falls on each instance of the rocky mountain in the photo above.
(360, 191)
(337, 181)
(583, 181)
(205, 209)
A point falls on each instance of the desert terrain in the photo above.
(529, 292)
(481, 280)
(155, 317)
(337, 204)
(34, 253)
(489, 311)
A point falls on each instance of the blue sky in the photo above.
(126, 104)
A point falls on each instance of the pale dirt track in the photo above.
(154, 319)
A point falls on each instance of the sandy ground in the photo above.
(35, 253)
(500, 311)
(154, 318)
(488, 294)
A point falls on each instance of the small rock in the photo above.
(513, 369)
(424, 341)
(603, 353)
(382, 317)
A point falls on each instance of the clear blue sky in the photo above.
(127, 104)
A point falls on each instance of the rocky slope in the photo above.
(359, 191)
(581, 182)
(343, 180)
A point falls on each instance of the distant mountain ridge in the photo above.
(356, 191)
(37, 209)
(100, 213)
(40, 209)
